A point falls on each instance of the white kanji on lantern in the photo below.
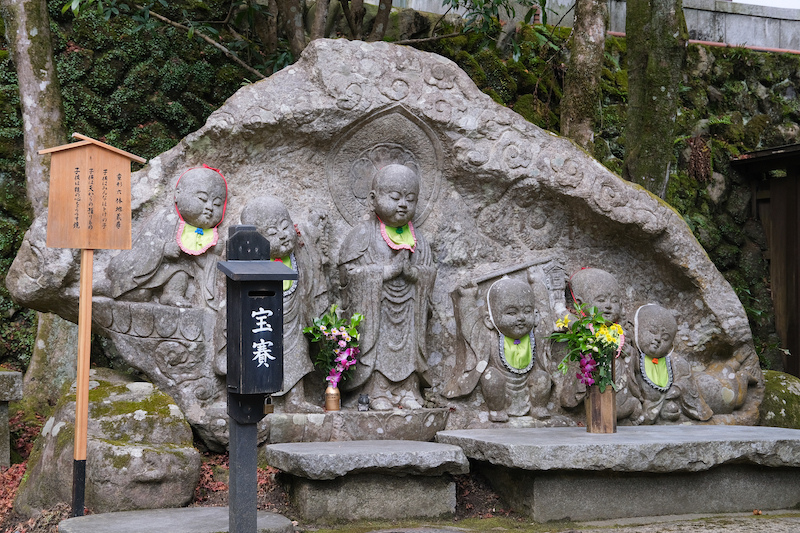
(261, 317)
(262, 351)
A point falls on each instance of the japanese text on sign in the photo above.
(262, 348)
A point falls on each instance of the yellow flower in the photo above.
(617, 328)
(563, 324)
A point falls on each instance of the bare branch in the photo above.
(429, 39)
(207, 39)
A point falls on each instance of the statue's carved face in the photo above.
(600, 289)
(655, 341)
(272, 220)
(280, 233)
(657, 330)
(513, 308)
(200, 198)
(394, 195)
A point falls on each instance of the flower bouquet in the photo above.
(593, 343)
(337, 340)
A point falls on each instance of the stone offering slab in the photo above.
(567, 473)
(355, 480)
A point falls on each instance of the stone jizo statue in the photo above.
(499, 350)
(166, 257)
(663, 379)
(598, 288)
(387, 273)
(272, 219)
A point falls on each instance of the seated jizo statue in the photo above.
(387, 273)
(169, 253)
(594, 287)
(272, 220)
(663, 379)
(499, 351)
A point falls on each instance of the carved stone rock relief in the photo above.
(496, 193)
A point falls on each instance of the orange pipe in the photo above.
(725, 45)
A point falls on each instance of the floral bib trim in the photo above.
(289, 285)
(659, 374)
(402, 238)
(193, 240)
(517, 355)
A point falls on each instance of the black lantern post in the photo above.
(255, 359)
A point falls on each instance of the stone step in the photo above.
(182, 520)
(388, 479)
(567, 473)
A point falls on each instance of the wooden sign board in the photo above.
(90, 196)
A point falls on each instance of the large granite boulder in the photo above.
(140, 452)
(497, 196)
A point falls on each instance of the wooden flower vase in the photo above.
(601, 410)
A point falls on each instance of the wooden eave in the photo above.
(87, 141)
(781, 157)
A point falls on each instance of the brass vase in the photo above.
(333, 399)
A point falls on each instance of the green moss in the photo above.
(781, 404)
(469, 65)
(497, 76)
(753, 131)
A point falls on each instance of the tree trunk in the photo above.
(581, 102)
(266, 27)
(381, 21)
(54, 358)
(320, 19)
(295, 27)
(28, 33)
(656, 33)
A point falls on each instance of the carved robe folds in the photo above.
(393, 332)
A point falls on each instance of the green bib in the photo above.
(517, 355)
(196, 241)
(401, 235)
(657, 372)
(287, 283)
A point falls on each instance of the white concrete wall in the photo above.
(708, 20)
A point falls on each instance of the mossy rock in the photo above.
(781, 404)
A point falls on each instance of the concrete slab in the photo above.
(183, 520)
(631, 449)
(353, 480)
(567, 473)
(329, 460)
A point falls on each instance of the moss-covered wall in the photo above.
(144, 91)
(141, 92)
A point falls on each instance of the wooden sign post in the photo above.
(89, 208)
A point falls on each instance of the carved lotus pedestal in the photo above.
(601, 410)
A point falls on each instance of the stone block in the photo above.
(329, 460)
(349, 424)
(187, 520)
(10, 390)
(571, 495)
(566, 473)
(370, 479)
(372, 496)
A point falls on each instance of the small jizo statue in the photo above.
(667, 387)
(169, 253)
(500, 351)
(387, 273)
(598, 288)
(272, 220)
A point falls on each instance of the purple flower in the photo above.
(586, 379)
